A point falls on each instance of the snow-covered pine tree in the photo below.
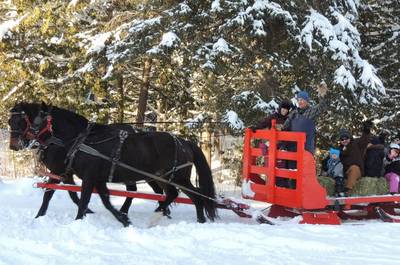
(40, 52)
(208, 58)
(380, 33)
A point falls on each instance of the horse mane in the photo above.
(72, 117)
(29, 108)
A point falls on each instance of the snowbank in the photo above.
(99, 239)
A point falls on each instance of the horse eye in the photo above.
(11, 122)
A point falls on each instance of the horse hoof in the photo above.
(88, 211)
(124, 219)
(201, 220)
(126, 224)
(165, 211)
(38, 215)
(79, 217)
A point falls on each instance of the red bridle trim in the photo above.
(31, 136)
(48, 128)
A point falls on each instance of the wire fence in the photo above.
(22, 163)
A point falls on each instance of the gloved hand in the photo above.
(322, 89)
(367, 126)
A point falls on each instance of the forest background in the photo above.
(220, 64)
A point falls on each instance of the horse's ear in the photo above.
(43, 107)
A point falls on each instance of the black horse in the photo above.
(52, 153)
(103, 154)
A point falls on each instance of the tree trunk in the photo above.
(160, 113)
(144, 92)
(206, 145)
(218, 144)
(120, 87)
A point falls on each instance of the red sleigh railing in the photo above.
(306, 197)
(307, 193)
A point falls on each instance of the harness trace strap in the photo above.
(75, 147)
(79, 145)
(89, 150)
(122, 136)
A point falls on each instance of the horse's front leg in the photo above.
(86, 193)
(105, 198)
(48, 194)
(68, 179)
(157, 189)
(132, 187)
(171, 193)
(128, 202)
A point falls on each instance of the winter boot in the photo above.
(339, 187)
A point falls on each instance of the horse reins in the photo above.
(80, 146)
(33, 135)
(89, 150)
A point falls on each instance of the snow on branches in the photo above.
(7, 26)
(337, 36)
(233, 120)
(168, 40)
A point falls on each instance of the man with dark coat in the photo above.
(303, 118)
(352, 153)
(374, 158)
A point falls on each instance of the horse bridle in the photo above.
(32, 130)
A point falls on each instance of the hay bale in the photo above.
(370, 186)
(382, 186)
(328, 183)
(364, 187)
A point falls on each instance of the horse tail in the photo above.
(206, 182)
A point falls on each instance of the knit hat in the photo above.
(304, 95)
(333, 151)
(394, 146)
(344, 133)
(285, 104)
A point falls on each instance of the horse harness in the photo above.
(80, 145)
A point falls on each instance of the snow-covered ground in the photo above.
(99, 239)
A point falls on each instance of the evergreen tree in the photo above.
(205, 58)
(380, 28)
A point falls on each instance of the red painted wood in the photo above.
(121, 193)
(323, 217)
(308, 194)
(366, 199)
